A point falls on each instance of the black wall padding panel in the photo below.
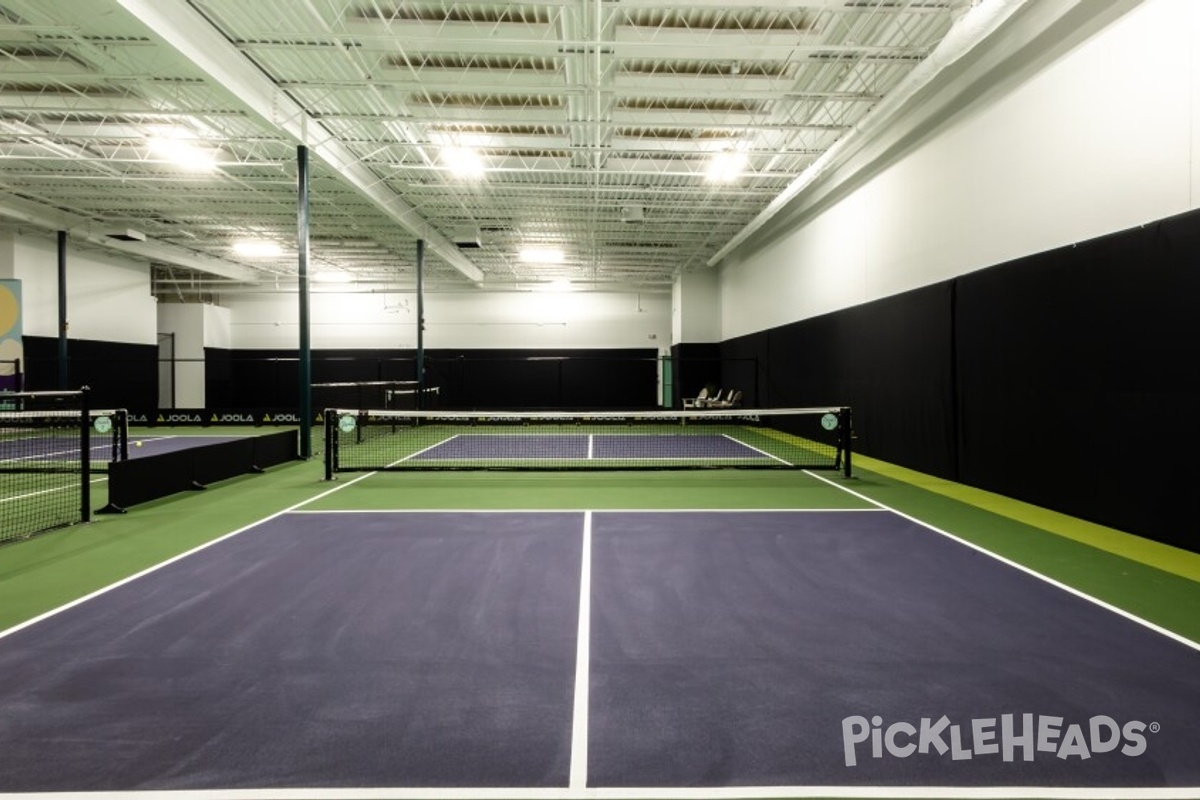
(1066, 379)
(120, 374)
(697, 365)
(1078, 370)
(891, 360)
(468, 379)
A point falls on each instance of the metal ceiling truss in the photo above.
(595, 123)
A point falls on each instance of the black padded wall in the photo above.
(1066, 379)
(890, 360)
(119, 374)
(1078, 369)
(697, 365)
(468, 379)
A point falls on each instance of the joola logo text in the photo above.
(1010, 737)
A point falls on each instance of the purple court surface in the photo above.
(66, 448)
(155, 444)
(721, 650)
(559, 446)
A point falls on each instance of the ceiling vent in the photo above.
(127, 235)
(632, 214)
(468, 238)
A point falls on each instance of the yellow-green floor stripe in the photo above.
(1144, 551)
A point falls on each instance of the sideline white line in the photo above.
(755, 449)
(1027, 570)
(579, 722)
(105, 589)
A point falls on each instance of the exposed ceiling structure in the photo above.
(626, 141)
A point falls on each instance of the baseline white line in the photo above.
(584, 510)
(579, 722)
(1027, 570)
(105, 589)
(647, 793)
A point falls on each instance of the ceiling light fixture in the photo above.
(333, 276)
(725, 167)
(183, 152)
(463, 162)
(257, 248)
(542, 255)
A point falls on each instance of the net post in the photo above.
(123, 434)
(85, 456)
(331, 444)
(847, 430)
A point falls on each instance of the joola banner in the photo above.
(218, 416)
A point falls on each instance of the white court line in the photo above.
(27, 495)
(579, 722)
(577, 789)
(648, 793)
(755, 449)
(697, 510)
(1027, 570)
(424, 450)
(105, 589)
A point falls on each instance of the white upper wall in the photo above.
(454, 320)
(695, 308)
(108, 298)
(1104, 138)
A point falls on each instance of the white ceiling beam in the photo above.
(183, 29)
(79, 228)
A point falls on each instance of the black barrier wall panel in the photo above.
(891, 360)
(1065, 379)
(1078, 369)
(697, 365)
(119, 374)
(468, 379)
(140, 480)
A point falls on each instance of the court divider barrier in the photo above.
(140, 480)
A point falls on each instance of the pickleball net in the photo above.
(51, 445)
(785, 438)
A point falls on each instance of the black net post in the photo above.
(85, 456)
(331, 443)
(121, 444)
(846, 427)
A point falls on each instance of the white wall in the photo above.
(695, 308)
(218, 330)
(469, 319)
(186, 375)
(108, 298)
(1103, 139)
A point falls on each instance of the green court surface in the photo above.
(1155, 582)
